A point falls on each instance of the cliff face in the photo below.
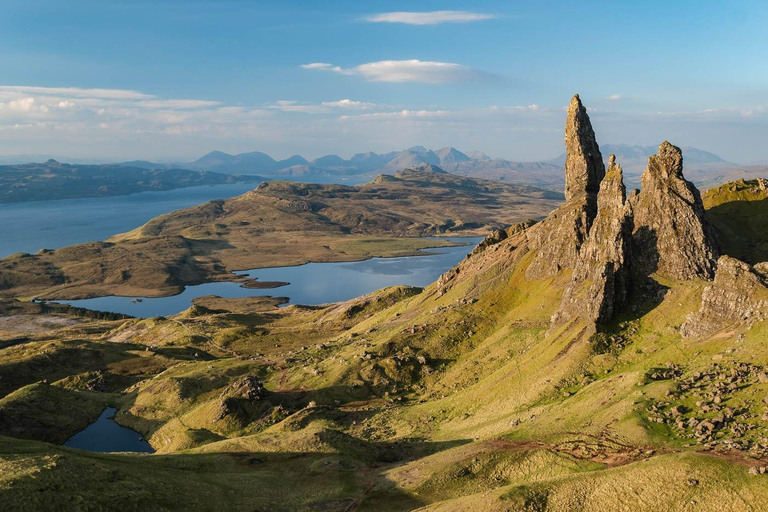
(559, 237)
(601, 278)
(738, 295)
(672, 235)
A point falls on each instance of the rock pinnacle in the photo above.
(584, 168)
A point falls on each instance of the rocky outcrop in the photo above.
(558, 238)
(237, 400)
(584, 168)
(247, 388)
(600, 281)
(609, 239)
(671, 235)
(738, 295)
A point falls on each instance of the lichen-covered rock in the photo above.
(738, 295)
(558, 238)
(600, 281)
(584, 168)
(239, 400)
(671, 233)
(495, 237)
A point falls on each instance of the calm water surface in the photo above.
(311, 284)
(30, 226)
(105, 435)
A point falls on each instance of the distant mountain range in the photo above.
(703, 166)
(629, 156)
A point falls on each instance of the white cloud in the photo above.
(24, 104)
(317, 65)
(177, 104)
(428, 18)
(322, 108)
(401, 71)
(402, 114)
(295, 106)
(349, 104)
(613, 97)
(75, 92)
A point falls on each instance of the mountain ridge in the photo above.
(706, 169)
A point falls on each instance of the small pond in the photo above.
(106, 435)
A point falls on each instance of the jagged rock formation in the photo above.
(672, 235)
(606, 237)
(601, 278)
(738, 294)
(559, 237)
(584, 168)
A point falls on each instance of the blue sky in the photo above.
(174, 79)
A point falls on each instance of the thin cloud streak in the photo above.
(403, 71)
(428, 18)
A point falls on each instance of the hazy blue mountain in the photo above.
(291, 161)
(255, 162)
(704, 166)
(412, 157)
(329, 161)
(144, 164)
(477, 155)
(630, 155)
(451, 155)
(369, 161)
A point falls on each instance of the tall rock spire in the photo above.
(672, 235)
(601, 278)
(584, 168)
(559, 237)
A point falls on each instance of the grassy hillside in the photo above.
(461, 396)
(743, 203)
